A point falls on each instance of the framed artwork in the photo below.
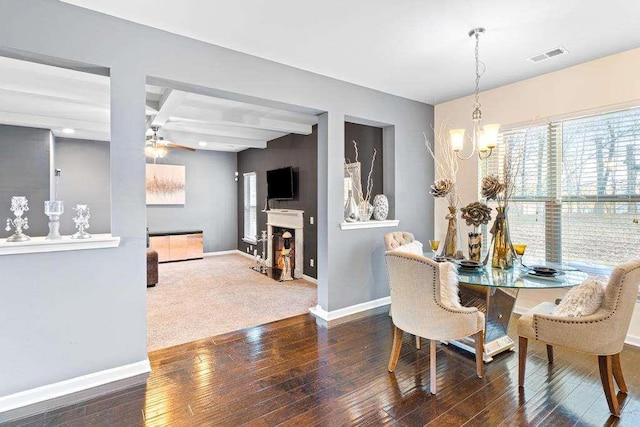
(165, 184)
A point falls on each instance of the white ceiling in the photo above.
(418, 49)
(43, 96)
(211, 123)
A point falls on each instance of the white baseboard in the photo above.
(73, 390)
(310, 279)
(328, 316)
(233, 251)
(238, 251)
(632, 340)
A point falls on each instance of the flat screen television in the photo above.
(280, 184)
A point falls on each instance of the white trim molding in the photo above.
(219, 253)
(41, 244)
(328, 316)
(238, 251)
(40, 399)
(369, 224)
(310, 279)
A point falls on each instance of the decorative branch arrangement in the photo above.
(446, 168)
(364, 197)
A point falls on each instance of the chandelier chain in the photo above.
(477, 103)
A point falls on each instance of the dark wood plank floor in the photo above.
(293, 372)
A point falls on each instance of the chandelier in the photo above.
(152, 147)
(484, 138)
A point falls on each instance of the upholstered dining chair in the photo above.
(396, 239)
(601, 333)
(393, 241)
(417, 309)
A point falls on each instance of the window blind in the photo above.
(600, 187)
(250, 204)
(576, 194)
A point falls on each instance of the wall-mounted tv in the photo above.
(280, 184)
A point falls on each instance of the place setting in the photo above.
(543, 272)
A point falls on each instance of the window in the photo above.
(577, 192)
(250, 214)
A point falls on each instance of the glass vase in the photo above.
(366, 210)
(351, 211)
(451, 247)
(475, 246)
(501, 255)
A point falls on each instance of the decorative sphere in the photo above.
(380, 207)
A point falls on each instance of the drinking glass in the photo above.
(435, 244)
(520, 248)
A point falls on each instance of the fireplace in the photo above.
(279, 222)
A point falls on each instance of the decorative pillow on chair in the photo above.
(449, 285)
(414, 247)
(582, 300)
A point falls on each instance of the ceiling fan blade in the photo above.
(180, 147)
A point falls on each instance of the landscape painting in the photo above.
(165, 184)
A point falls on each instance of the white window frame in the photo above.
(554, 200)
(250, 206)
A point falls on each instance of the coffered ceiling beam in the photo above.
(169, 103)
(193, 139)
(251, 120)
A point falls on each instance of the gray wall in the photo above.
(69, 314)
(210, 199)
(84, 180)
(300, 152)
(24, 171)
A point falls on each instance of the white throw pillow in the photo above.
(582, 300)
(414, 247)
(449, 285)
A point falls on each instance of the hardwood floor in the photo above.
(293, 372)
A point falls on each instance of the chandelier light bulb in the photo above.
(457, 139)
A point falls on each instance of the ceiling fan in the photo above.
(156, 147)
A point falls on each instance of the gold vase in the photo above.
(451, 245)
(502, 255)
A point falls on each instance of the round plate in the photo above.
(544, 271)
(465, 263)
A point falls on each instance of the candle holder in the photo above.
(19, 205)
(82, 221)
(53, 209)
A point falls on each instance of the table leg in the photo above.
(497, 305)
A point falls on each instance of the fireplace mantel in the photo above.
(287, 218)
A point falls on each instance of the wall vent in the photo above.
(550, 54)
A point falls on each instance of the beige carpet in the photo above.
(219, 294)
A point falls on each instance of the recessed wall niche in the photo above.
(54, 115)
(359, 176)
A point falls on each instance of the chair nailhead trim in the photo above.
(434, 283)
(579, 322)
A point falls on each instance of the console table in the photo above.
(177, 245)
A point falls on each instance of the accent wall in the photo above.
(299, 152)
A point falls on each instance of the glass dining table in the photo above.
(494, 291)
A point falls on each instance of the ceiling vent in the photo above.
(550, 54)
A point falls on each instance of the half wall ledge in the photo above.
(369, 224)
(40, 244)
